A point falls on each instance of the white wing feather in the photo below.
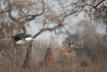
(20, 42)
(29, 39)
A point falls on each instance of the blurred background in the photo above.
(54, 23)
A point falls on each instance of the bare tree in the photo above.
(29, 11)
(95, 9)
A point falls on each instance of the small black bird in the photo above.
(21, 38)
(71, 45)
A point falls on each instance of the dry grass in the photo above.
(67, 61)
(86, 62)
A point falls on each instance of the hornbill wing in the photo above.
(21, 35)
(16, 38)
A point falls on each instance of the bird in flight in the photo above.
(22, 38)
(71, 45)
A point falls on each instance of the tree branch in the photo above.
(51, 29)
(2, 12)
(20, 23)
(46, 29)
(10, 7)
(99, 3)
(34, 16)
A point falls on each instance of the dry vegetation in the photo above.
(49, 60)
(57, 59)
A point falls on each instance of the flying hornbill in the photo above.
(22, 38)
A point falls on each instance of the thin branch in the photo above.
(68, 15)
(46, 29)
(23, 12)
(34, 16)
(2, 12)
(10, 7)
(99, 3)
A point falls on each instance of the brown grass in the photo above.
(45, 60)
(86, 62)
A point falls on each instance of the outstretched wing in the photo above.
(21, 35)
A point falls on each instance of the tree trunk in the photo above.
(27, 59)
